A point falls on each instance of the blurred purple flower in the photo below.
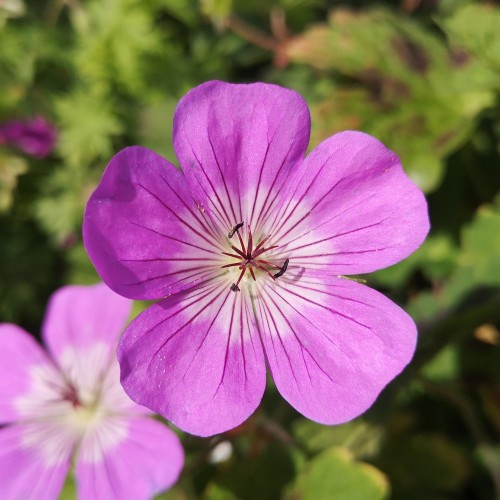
(67, 407)
(247, 248)
(35, 137)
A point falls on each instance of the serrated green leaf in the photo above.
(115, 38)
(400, 96)
(478, 262)
(475, 27)
(88, 123)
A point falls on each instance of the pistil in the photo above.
(248, 257)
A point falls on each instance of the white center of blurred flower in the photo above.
(75, 406)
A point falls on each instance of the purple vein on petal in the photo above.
(222, 219)
(316, 177)
(263, 214)
(283, 216)
(276, 176)
(259, 181)
(333, 311)
(266, 314)
(291, 283)
(221, 205)
(244, 308)
(190, 319)
(297, 311)
(208, 272)
(228, 195)
(180, 219)
(171, 238)
(202, 224)
(214, 319)
(300, 344)
(338, 235)
(235, 299)
(297, 337)
(202, 289)
(335, 216)
(354, 252)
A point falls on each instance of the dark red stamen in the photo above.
(234, 230)
(247, 257)
(283, 269)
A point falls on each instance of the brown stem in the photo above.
(253, 35)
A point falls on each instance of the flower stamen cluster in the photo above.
(249, 257)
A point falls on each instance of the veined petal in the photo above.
(352, 209)
(146, 459)
(238, 145)
(29, 382)
(142, 230)
(80, 317)
(332, 346)
(34, 461)
(113, 399)
(196, 359)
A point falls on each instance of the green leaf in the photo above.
(60, 208)
(359, 437)
(423, 466)
(11, 167)
(217, 10)
(436, 258)
(444, 366)
(115, 39)
(155, 127)
(406, 88)
(215, 491)
(335, 474)
(186, 11)
(88, 124)
(475, 27)
(478, 262)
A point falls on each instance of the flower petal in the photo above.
(82, 316)
(28, 379)
(332, 346)
(195, 358)
(112, 396)
(238, 144)
(34, 461)
(142, 230)
(146, 461)
(354, 210)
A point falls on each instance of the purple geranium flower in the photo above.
(69, 406)
(35, 137)
(247, 247)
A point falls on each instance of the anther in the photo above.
(235, 288)
(284, 267)
(235, 229)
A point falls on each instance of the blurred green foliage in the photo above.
(421, 75)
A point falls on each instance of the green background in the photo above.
(421, 75)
